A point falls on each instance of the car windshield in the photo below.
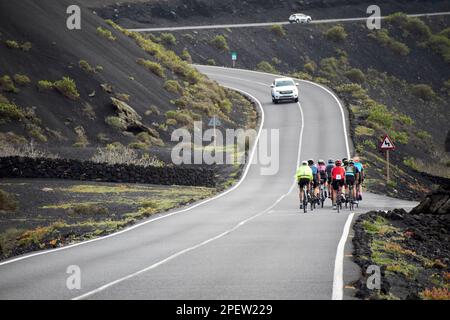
(284, 83)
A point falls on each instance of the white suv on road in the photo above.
(284, 89)
(299, 18)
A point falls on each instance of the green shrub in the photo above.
(88, 209)
(412, 25)
(381, 116)
(211, 62)
(278, 30)
(8, 201)
(7, 84)
(336, 33)
(86, 66)
(369, 144)
(185, 55)
(411, 162)
(173, 86)
(400, 137)
(310, 67)
(382, 36)
(423, 91)
(117, 123)
(406, 120)
(67, 87)
(105, 33)
(265, 66)
(226, 106)
(171, 122)
(168, 38)
(26, 46)
(12, 44)
(44, 85)
(36, 133)
(440, 44)
(329, 67)
(122, 97)
(355, 75)
(21, 79)
(220, 43)
(188, 37)
(424, 135)
(9, 111)
(446, 87)
(98, 68)
(364, 131)
(154, 67)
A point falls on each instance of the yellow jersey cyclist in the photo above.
(304, 177)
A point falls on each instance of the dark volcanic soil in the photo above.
(413, 251)
(203, 12)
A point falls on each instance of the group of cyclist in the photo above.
(337, 177)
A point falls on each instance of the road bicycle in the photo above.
(350, 199)
(339, 199)
(323, 194)
(312, 197)
(305, 199)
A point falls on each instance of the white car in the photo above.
(284, 89)
(299, 18)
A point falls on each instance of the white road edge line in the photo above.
(203, 243)
(164, 216)
(338, 277)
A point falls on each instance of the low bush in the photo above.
(424, 135)
(26, 46)
(185, 55)
(44, 85)
(105, 33)
(411, 162)
(116, 123)
(86, 66)
(355, 75)
(220, 43)
(88, 209)
(423, 91)
(310, 67)
(154, 67)
(278, 30)
(67, 87)
(265, 66)
(412, 25)
(9, 111)
(168, 38)
(406, 120)
(211, 62)
(12, 44)
(173, 86)
(440, 44)
(400, 137)
(382, 36)
(7, 84)
(8, 201)
(336, 33)
(21, 79)
(380, 115)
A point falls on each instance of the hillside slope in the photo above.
(386, 86)
(104, 64)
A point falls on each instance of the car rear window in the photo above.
(284, 83)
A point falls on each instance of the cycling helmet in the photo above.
(304, 163)
(351, 161)
(356, 159)
(344, 160)
(331, 161)
(321, 161)
(310, 162)
(338, 162)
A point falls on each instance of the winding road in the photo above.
(268, 24)
(251, 242)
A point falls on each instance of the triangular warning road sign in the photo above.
(387, 144)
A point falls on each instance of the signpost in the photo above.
(234, 58)
(214, 122)
(387, 145)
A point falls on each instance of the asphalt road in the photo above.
(249, 243)
(268, 24)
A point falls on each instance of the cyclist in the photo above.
(337, 180)
(315, 181)
(330, 167)
(351, 176)
(304, 177)
(344, 164)
(360, 180)
(322, 175)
